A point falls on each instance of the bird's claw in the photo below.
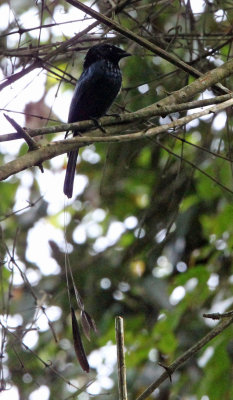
(98, 125)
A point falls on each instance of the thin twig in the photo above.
(219, 315)
(119, 327)
(30, 205)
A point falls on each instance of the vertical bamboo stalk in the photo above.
(119, 327)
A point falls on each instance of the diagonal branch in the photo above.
(186, 356)
(22, 133)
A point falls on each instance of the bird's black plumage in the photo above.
(94, 93)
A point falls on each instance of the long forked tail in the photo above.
(70, 173)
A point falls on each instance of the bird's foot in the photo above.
(98, 125)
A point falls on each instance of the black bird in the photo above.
(94, 93)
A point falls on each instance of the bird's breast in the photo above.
(95, 91)
(111, 72)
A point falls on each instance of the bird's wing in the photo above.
(84, 91)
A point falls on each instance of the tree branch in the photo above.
(63, 146)
(123, 119)
(60, 147)
(119, 328)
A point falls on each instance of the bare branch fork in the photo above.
(169, 370)
(32, 145)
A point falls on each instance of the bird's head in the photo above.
(104, 52)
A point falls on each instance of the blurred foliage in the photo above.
(157, 244)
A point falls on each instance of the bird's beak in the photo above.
(122, 53)
(125, 54)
